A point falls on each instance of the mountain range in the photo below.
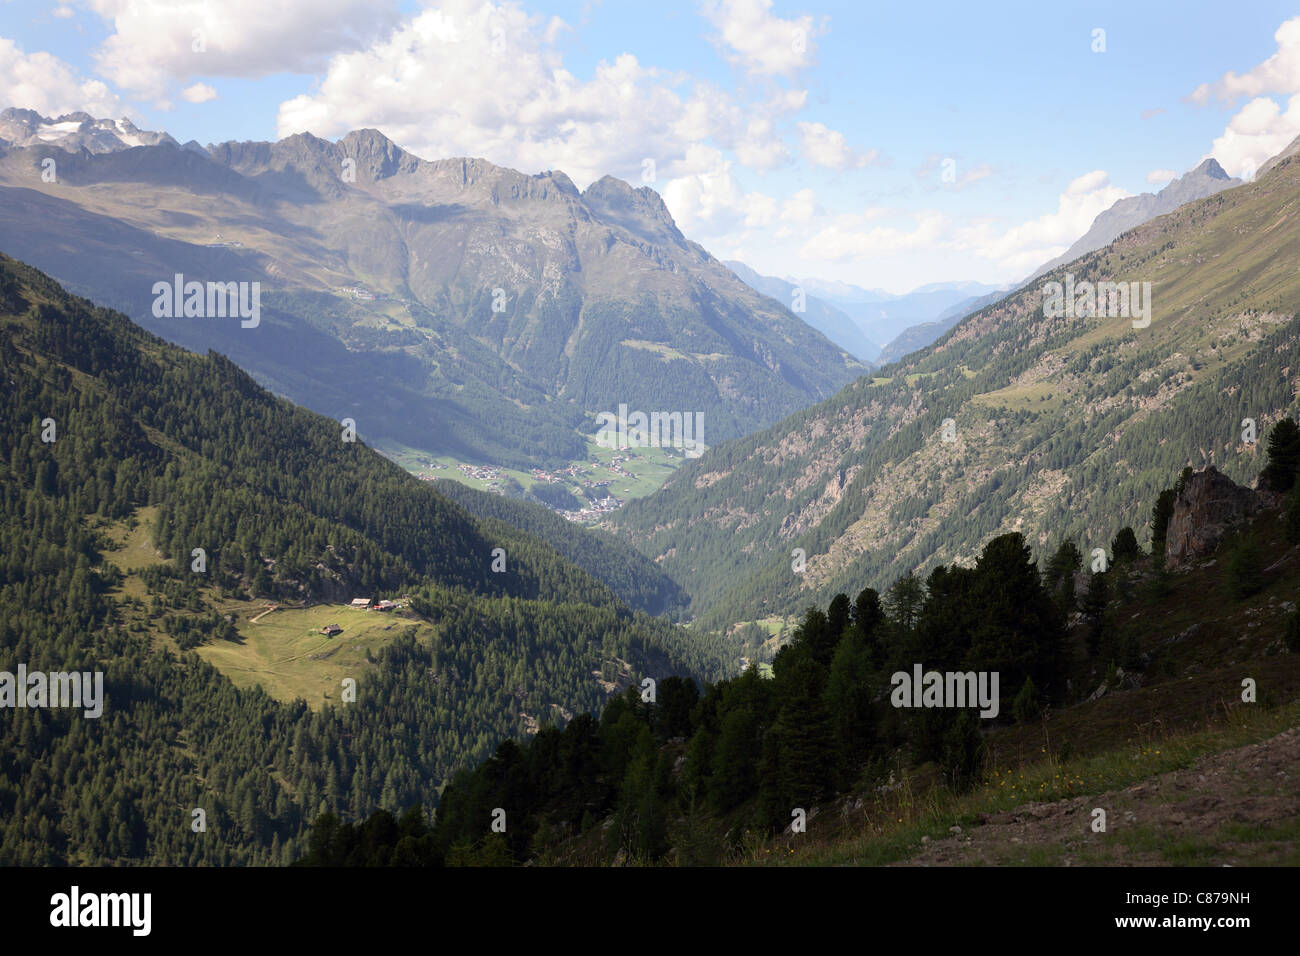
(1015, 419)
(882, 316)
(1205, 180)
(832, 322)
(454, 307)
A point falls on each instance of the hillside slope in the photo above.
(1062, 427)
(154, 507)
(1165, 711)
(1205, 180)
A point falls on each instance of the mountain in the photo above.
(883, 316)
(835, 290)
(822, 316)
(1205, 180)
(1062, 427)
(454, 307)
(629, 574)
(919, 336)
(1292, 150)
(74, 132)
(195, 540)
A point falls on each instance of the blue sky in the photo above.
(888, 145)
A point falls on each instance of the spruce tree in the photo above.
(1124, 546)
(1094, 609)
(1059, 577)
(1279, 473)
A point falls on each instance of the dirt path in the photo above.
(1238, 807)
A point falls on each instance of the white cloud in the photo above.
(1016, 249)
(198, 93)
(843, 239)
(479, 79)
(760, 147)
(158, 42)
(1158, 177)
(801, 207)
(823, 146)
(1032, 243)
(63, 12)
(1262, 128)
(1087, 183)
(759, 43)
(42, 82)
(712, 201)
(1280, 73)
(747, 129)
(1259, 132)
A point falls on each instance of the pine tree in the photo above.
(1279, 473)
(1025, 708)
(964, 751)
(1124, 546)
(849, 695)
(1059, 577)
(1094, 609)
(903, 601)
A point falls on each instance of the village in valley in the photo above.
(602, 483)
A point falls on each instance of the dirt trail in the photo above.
(254, 620)
(1238, 807)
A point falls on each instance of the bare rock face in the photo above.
(1210, 506)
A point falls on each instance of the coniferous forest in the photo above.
(284, 511)
(695, 775)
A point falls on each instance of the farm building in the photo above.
(329, 630)
(361, 603)
(385, 605)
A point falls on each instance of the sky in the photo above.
(888, 145)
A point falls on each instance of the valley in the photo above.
(584, 490)
(517, 435)
(1061, 426)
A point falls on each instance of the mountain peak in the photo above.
(1205, 180)
(615, 199)
(76, 131)
(1210, 167)
(377, 154)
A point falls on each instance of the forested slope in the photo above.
(101, 421)
(1062, 427)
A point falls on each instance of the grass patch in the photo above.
(897, 821)
(287, 655)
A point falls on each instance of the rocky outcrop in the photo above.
(1209, 506)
